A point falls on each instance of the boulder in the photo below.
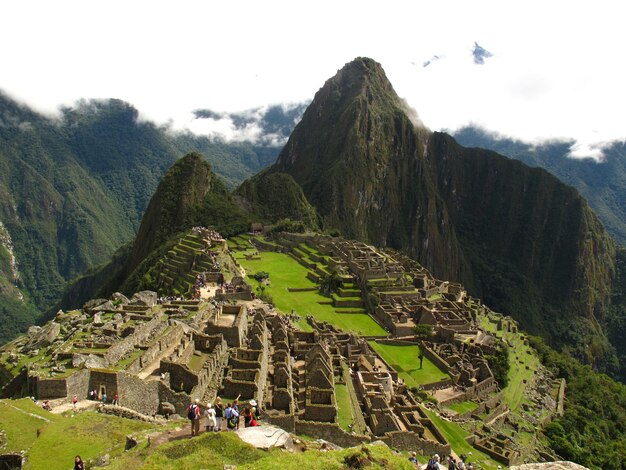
(105, 307)
(145, 297)
(93, 303)
(166, 408)
(44, 337)
(266, 437)
(549, 466)
(33, 330)
(118, 318)
(118, 296)
(90, 361)
(97, 320)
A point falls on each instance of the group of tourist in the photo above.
(216, 417)
(435, 464)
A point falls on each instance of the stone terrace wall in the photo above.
(410, 441)
(180, 400)
(78, 384)
(330, 432)
(51, 388)
(124, 412)
(142, 334)
(172, 337)
(138, 395)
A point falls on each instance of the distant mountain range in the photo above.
(74, 189)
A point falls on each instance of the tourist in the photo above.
(451, 463)
(247, 417)
(413, 458)
(116, 399)
(235, 417)
(219, 415)
(253, 409)
(469, 466)
(460, 465)
(46, 405)
(228, 414)
(104, 398)
(433, 463)
(78, 463)
(74, 401)
(209, 418)
(193, 413)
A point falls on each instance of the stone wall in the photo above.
(51, 388)
(152, 353)
(104, 380)
(142, 334)
(181, 377)
(180, 400)
(138, 395)
(78, 384)
(409, 441)
(124, 412)
(329, 432)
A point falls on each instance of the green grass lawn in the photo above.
(521, 368)
(285, 272)
(405, 360)
(62, 437)
(456, 435)
(344, 407)
(463, 407)
(19, 426)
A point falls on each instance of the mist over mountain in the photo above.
(74, 188)
(265, 126)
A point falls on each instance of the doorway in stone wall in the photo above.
(103, 391)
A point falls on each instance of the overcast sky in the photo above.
(557, 68)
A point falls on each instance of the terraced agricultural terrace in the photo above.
(325, 341)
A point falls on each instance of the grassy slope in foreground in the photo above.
(61, 438)
(214, 451)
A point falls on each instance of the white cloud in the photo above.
(556, 69)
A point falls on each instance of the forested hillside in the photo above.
(74, 188)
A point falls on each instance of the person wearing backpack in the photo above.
(433, 463)
(193, 414)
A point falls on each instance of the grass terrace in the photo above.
(456, 435)
(92, 434)
(463, 407)
(404, 359)
(286, 272)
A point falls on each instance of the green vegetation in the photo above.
(404, 359)
(592, 431)
(214, 451)
(456, 435)
(87, 434)
(463, 407)
(286, 273)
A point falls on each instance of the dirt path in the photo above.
(66, 405)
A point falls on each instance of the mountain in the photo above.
(516, 236)
(602, 183)
(360, 161)
(74, 188)
(190, 194)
